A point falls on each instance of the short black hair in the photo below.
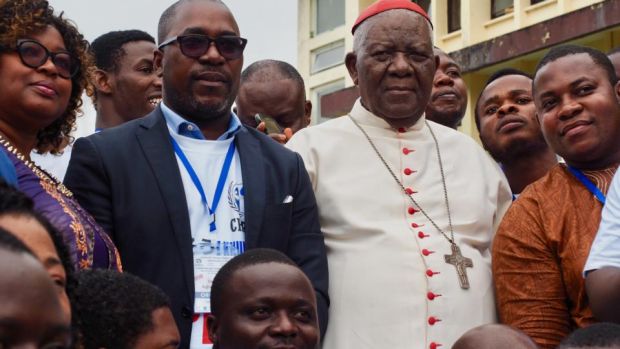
(112, 309)
(498, 74)
(600, 335)
(252, 257)
(14, 202)
(10, 243)
(108, 48)
(613, 51)
(271, 69)
(165, 20)
(598, 57)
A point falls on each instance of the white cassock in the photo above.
(389, 284)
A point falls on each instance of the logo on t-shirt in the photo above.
(235, 197)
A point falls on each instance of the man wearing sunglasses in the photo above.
(186, 188)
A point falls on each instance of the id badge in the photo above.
(206, 264)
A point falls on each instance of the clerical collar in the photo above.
(188, 129)
(366, 117)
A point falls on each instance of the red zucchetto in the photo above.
(385, 5)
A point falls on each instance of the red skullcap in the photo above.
(385, 5)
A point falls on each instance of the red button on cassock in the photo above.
(427, 252)
(408, 171)
(433, 320)
(402, 129)
(421, 235)
(412, 210)
(416, 225)
(430, 273)
(410, 191)
(431, 296)
(406, 151)
(434, 345)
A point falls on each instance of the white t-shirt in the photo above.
(212, 249)
(605, 250)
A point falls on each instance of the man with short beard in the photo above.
(506, 119)
(542, 244)
(448, 101)
(186, 188)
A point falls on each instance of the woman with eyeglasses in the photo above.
(43, 65)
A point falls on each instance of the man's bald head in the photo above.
(597, 336)
(494, 336)
(271, 70)
(167, 18)
(275, 89)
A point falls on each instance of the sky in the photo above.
(269, 25)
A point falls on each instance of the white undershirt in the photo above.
(211, 249)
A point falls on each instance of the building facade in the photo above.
(481, 35)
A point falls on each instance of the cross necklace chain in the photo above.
(456, 259)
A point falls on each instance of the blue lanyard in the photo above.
(220, 182)
(588, 183)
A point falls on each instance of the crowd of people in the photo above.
(205, 212)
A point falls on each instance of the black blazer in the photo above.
(127, 177)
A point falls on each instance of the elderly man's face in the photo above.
(394, 66)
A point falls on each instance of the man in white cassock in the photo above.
(408, 207)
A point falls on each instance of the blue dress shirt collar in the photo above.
(188, 129)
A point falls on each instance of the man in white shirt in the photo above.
(408, 207)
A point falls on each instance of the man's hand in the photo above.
(281, 138)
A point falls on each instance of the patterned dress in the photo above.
(88, 245)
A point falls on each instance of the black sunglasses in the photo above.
(33, 54)
(196, 45)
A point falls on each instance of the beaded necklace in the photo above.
(39, 172)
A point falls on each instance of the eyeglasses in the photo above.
(34, 55)
(196, 45)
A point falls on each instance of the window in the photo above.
(327, 56)
(321, 91)
(534, 2)
(424, 4)
(329, 15)
(501, 7)
(454, 15)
